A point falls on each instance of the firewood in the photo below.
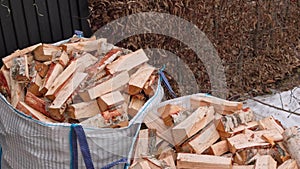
(289, 164)
(243, 167)
(60, 80)
(85, 60)
(5, 82)
(17, 91)
(270, 123)
(189, 161)
(110, 100)
(127, 62)
(36, 103)
(86, 46)
(203, 140)
(239, 129)
(63, 58)
(265, 162)
(291, 141)
(219, 148)
(83, 110)
(228, 123)
(221, 106)
(169, 162)
(35, 85)
(54, 71)
(41, 69)
(20, 70)
(95, 121)
(150, 86)
(67, 90)
(145, 143)
(166, 112)
(251, 139)
(34, 113)
(139, 78)
(8, 60)
(45, 52)
(134, 106)
(194, 123)
(141, 164)
(109, 85)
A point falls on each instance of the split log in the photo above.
(36, 103)
(243, 167)
(141, 164)
(85, 46)
(270, 123)
(127, 62)
(196, 161)
(150, 86)
(83, 110)
(251, 139)
(17, 91)
(20, 70)
(8, 60)
(289, 164)
(221, 106)
(54, 71)
(60, 80)
(95, 121)
(167, 111)
(253, 125)
(85, 60)
(67, 90)
(169, 162)
(134, 106)
(194, 123)
(35, 85)
(41, 69)
(110, 100)
(219, 148)
(34, 113)
(202, 141)
(108, 86)
(5, 83)
(228, 123)
(45, 52)
(291, 141)
(265, 162)
(139, 78)
(63, 58)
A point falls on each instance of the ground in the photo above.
(258, 41)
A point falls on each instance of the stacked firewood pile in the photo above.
(214, 134)
(85, 80)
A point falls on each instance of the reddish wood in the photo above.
(36, 103)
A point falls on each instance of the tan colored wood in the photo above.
(17, 92)
(19, 70)
(60, 80)
(200, 142)
(289, 164)
(83, 110)
(270, 123)
(35, 85)
(5, 82)
(150, 86)
(142, 164)
(166, 112)
(85, 60)
(41, 69)
(239, 129)
(251, 139)
(139, 78)
(110, 100)
(219, 148)
(54, 71)
(221, 106)
(34, 113)
(109, 85)
(8, 60)
(195, 161)
(243, 167)
(36, 103)
(265, 162)
(141, 148)
(63, 58)
(67, 90)
(194, 123)
(228, 123)
(291, 141)
(127, 62)
(86, 46)
(134, 106)
(45, 52)
(96, 121)
(169, 161)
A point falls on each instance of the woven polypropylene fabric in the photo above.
(28, 143)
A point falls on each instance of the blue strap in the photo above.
(78, 134)
(121, 161)
(166, 82)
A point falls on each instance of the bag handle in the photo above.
(121, 161)
(166, 82)
(77, 133)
